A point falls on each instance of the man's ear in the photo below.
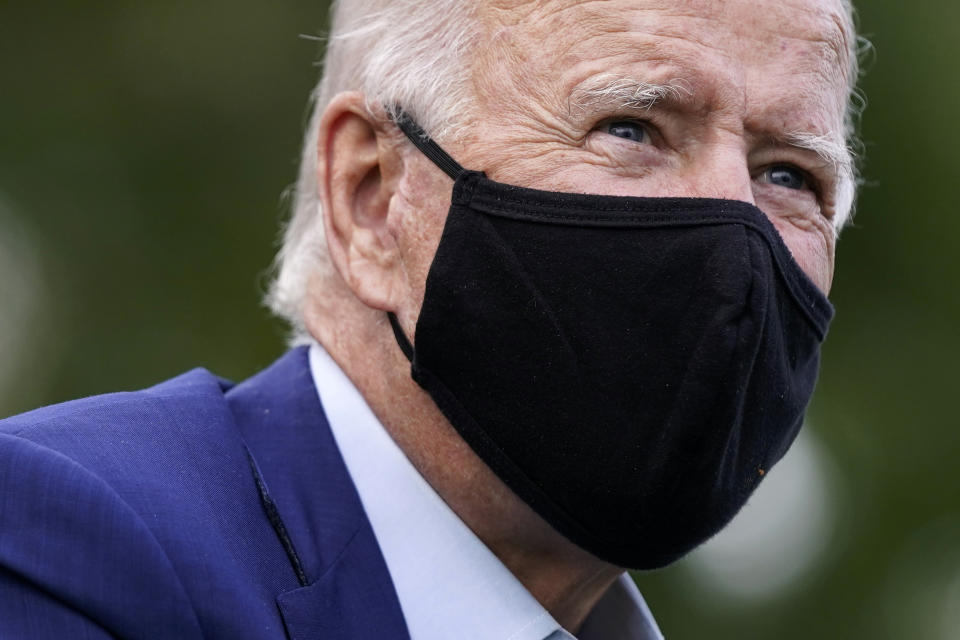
(358, 168)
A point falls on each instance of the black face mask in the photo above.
(630, 367)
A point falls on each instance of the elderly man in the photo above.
(559, 273)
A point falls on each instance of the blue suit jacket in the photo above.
(193, 509)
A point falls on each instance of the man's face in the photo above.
(728, 96)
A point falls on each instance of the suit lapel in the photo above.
(346, 590)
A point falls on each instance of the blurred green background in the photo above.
(144, 151)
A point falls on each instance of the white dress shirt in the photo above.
(449, 584)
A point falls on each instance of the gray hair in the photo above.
(412, 53)
(397, 52)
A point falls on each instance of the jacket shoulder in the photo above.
(140, 510)
(79, 479)
(68, 536)
(133, 440)
(111, 414)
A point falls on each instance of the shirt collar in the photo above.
(449, 584)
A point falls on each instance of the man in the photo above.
(516, 383)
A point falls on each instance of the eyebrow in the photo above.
(628, 94)
(633, 95)
(827, 147)
(624, 93)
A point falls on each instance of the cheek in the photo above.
(807, 233)
(599, 177)
(419, 214)
(812, 248)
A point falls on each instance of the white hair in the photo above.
(397, 52)
(413, 53)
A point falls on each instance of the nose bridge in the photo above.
(720, 170)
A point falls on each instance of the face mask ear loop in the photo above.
(401, 337)
(448, 165)
(425, 144)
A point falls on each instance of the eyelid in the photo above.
(811, 181)
(815, 186)
(821, 174)
(648, 126)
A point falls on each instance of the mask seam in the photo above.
(806, 300)
(716, 440)
(519, 206)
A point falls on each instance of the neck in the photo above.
(564, 578)
(564, 582)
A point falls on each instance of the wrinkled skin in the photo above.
(750, 77)
(753, 75)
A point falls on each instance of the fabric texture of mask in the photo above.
(630, 367)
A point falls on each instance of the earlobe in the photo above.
(356, 167)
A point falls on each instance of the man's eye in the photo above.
(786, 176)
(628, 130)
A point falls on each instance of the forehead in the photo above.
(769, 61)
